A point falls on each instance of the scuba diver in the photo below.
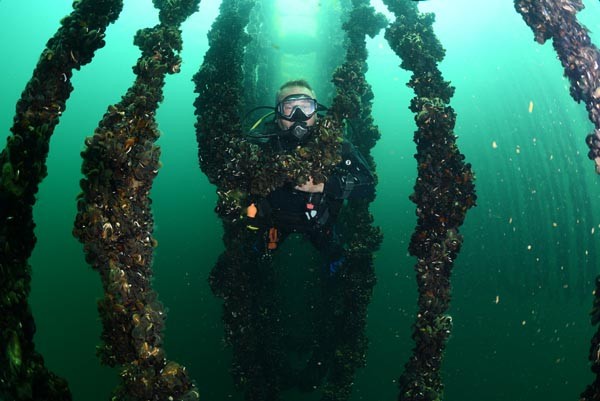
(310, 209)
(269, 357)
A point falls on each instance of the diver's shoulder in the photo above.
(348, 148)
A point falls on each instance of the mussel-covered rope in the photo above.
(580, 58)
(243, 279)
(349, 298)
(219, 87)
(115, 224)
(557, 20)
(443, 193)
(23, 375)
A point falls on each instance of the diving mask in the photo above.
(297, 107)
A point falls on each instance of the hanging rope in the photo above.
(349, 299)
(243, 279)
(580, 58)
(23, 375)
(219, 88)
(115, 224)
(444, 192)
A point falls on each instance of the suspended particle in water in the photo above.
(531, 106)
(494, 145)
(529, 247)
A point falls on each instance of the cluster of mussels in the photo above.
(579, 56)
(23, 375)
(219, 87)
(240, 277)
(348, 302)
(350, 298)
(316, 158)
(115, 224)
(444, 191)
(592, 392)
(251, 314)
(580, 59)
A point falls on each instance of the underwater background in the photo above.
(522, 285)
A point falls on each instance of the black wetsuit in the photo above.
(288, 210)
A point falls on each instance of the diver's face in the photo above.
(295, 90)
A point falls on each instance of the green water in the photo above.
(523, 281)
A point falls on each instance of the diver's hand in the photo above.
(310, 186)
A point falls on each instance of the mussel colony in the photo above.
(243, 282)
(23, 375)
(344, 344)
(115, 224)
(121, 160)
(444, 191)
(580, 59)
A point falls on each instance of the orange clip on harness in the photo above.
(273, 239)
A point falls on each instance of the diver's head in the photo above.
(296, 107)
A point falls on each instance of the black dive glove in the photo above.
(339, 187)
(352, 178)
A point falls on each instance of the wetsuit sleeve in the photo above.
(352, 179)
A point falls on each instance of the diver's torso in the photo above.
(299, 211)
